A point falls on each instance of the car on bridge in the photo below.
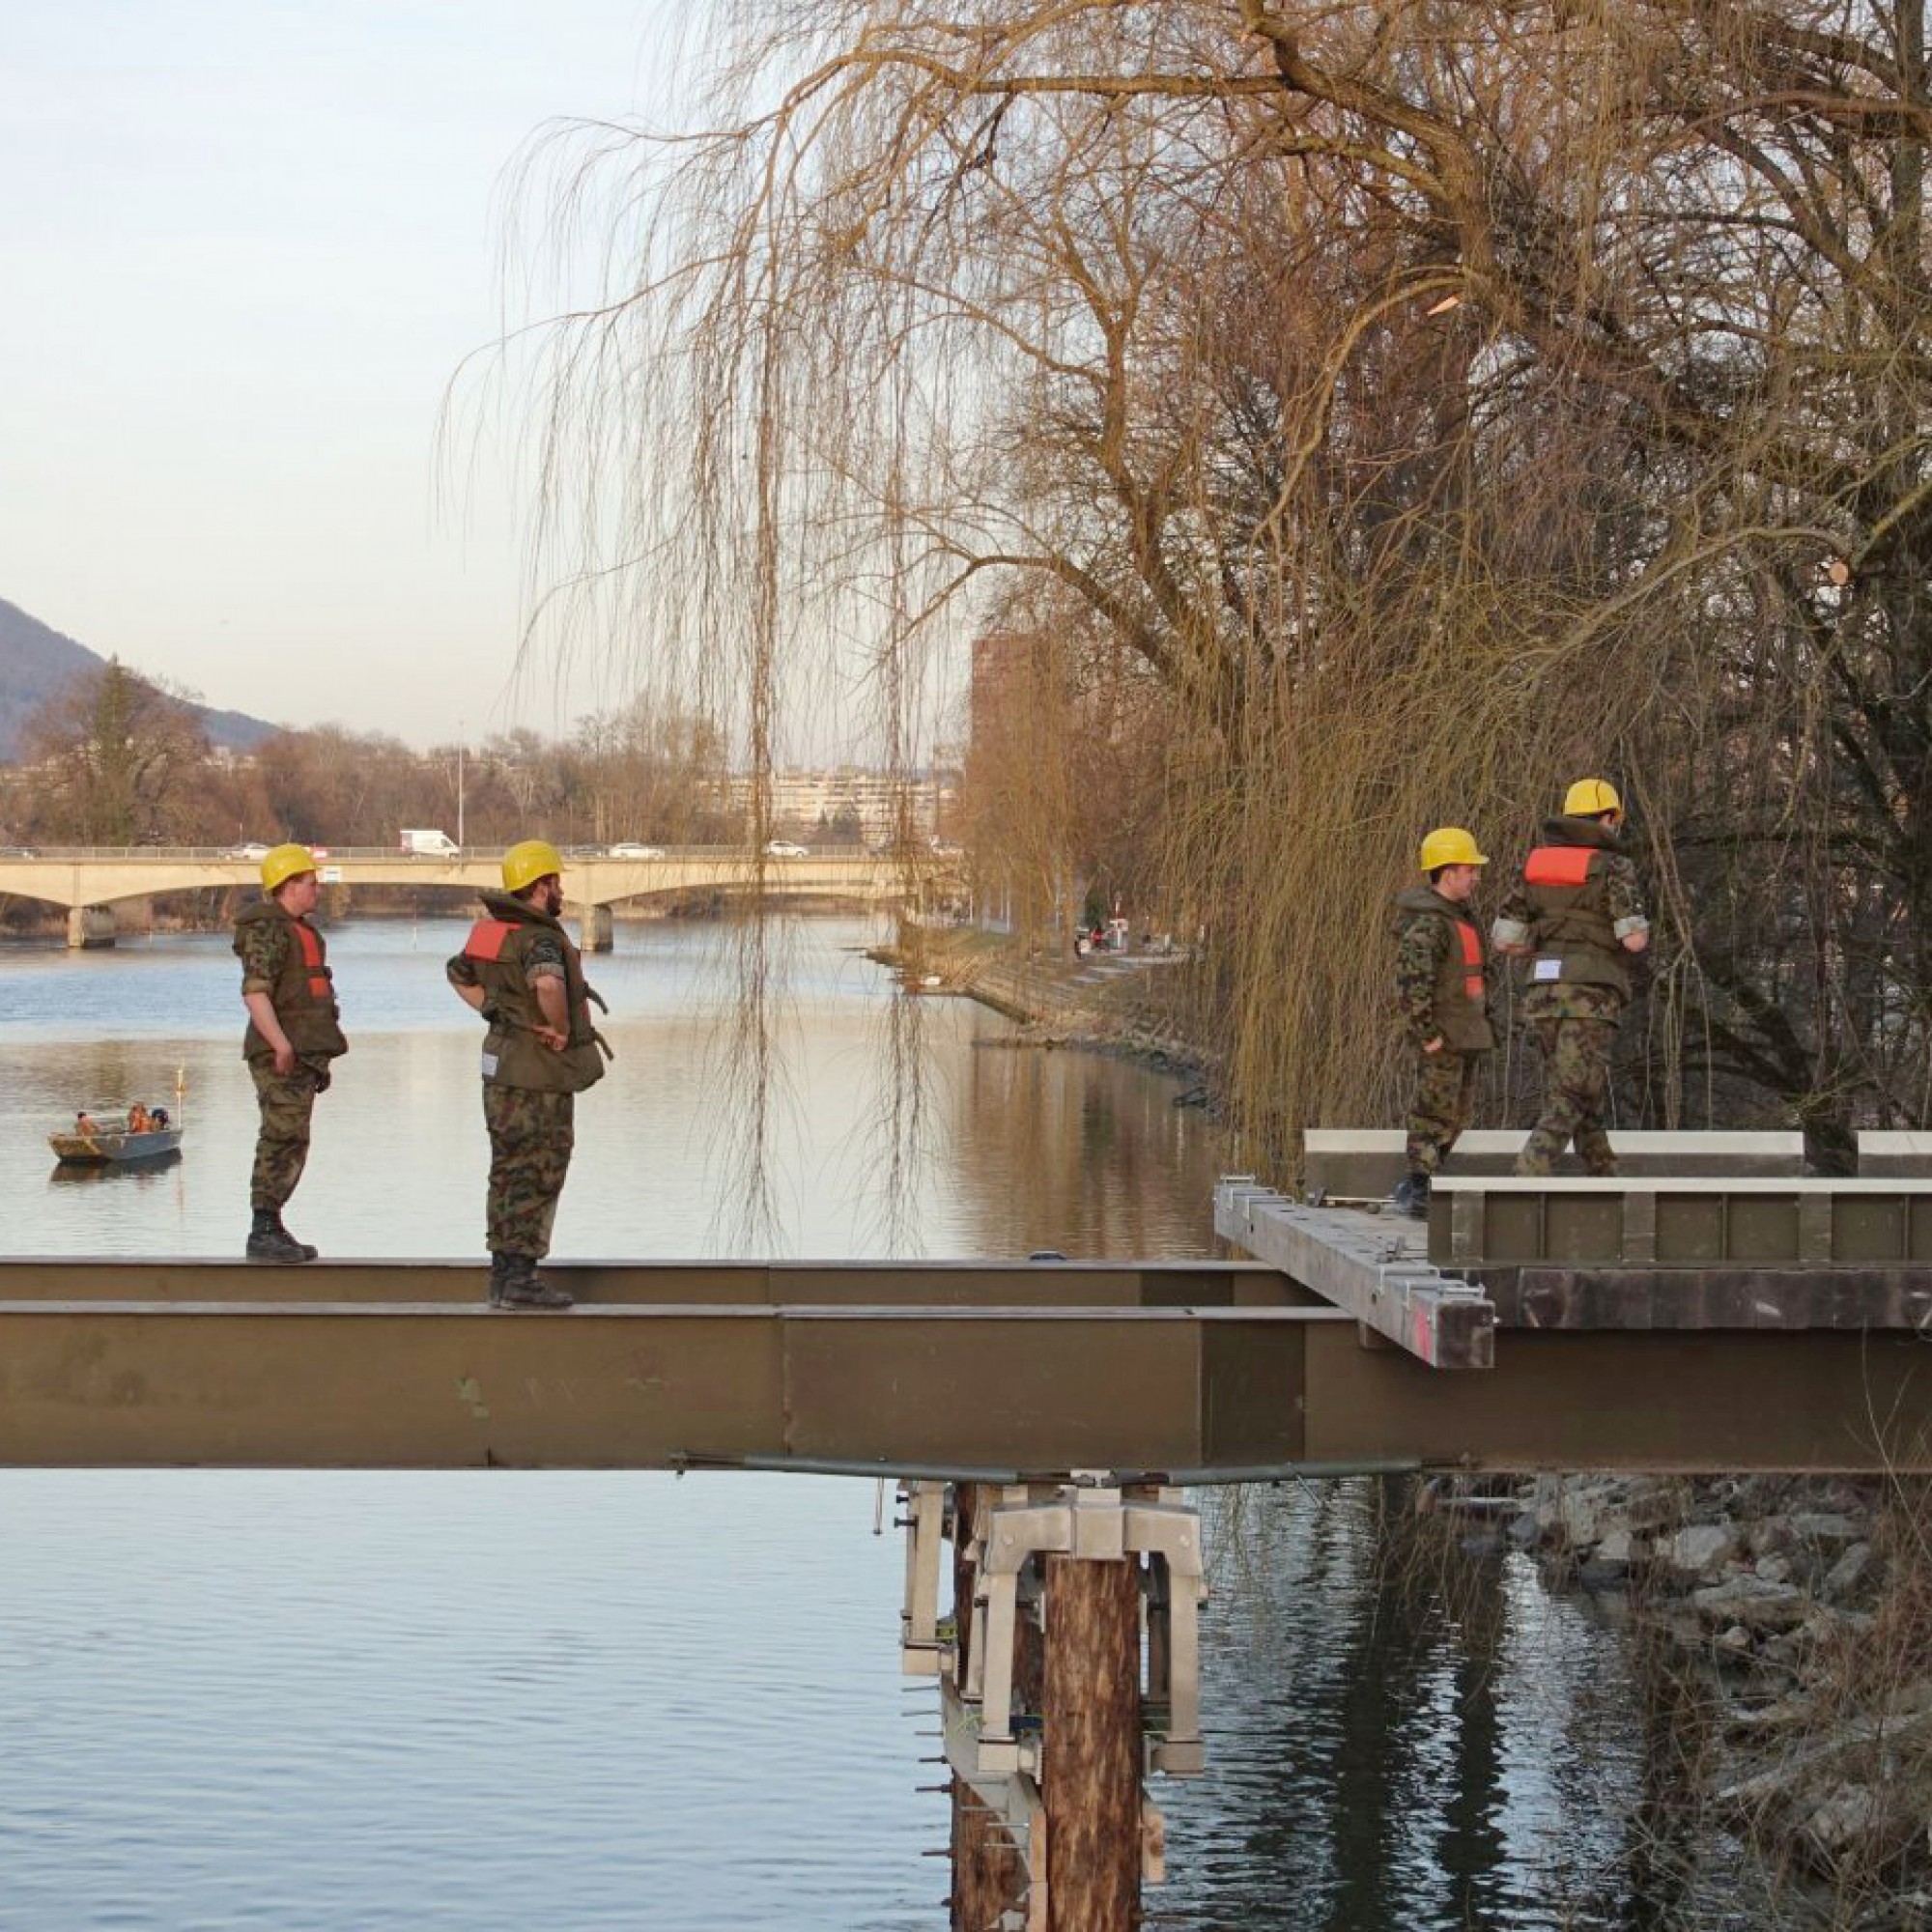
(253, 850)
(784, 848)
(629, 851)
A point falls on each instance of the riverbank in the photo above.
(1126, 1004)
(1790, 1618)
(1794, 1618)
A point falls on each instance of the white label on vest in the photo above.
(489, 1066)
(1546, 969)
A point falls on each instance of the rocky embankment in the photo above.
(1804, 1609)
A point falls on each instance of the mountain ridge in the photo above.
(37, 663)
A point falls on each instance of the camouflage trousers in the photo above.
(1439, 1109)
(531, 1135)
(1576, 1085)
(282, 1148)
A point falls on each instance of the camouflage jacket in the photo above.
(1521, 921)
(1432, 975)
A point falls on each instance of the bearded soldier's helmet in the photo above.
(527, 861)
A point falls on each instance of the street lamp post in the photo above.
(459, 781)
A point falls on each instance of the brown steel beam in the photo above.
(1015, 1284)
(1197, 1393)
(1550, 1296)
(1673, 1402)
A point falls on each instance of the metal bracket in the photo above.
(1094, 1525)
(922, 1649)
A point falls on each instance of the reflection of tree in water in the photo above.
(1401, 1735)
(1079, 1152)
(1667, 1831)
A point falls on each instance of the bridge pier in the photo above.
(594, 928)
(1046, 1723)
(89, 928)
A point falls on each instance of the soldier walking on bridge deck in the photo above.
(1578, 909)
(519, 968)
(294, 1032)
(1444, 998)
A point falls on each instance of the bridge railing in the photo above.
(383, 854)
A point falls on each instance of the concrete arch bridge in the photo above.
(89, 883)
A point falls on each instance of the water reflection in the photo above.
(994, 1152)
(1409, 1735)
(67, 1172)
(284, 1701)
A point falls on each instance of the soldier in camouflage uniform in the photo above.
(294, 1032)
(1443, 994)
(520, 971)
(1578, 909)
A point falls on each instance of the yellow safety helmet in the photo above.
(527, 861)
(285, 862)
(1587, 797)
(1450, 845)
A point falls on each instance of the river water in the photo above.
(274, 1700)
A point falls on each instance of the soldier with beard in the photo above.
(519, 968)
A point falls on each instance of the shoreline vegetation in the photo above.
(1791, 1617)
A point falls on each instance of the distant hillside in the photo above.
(37, 661)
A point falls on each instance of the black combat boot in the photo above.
(269, 1241)
(1412, 1196)
(521, 1285)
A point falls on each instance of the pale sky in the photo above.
(247, 244)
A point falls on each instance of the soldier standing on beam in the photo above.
(1444, 999)
(519, 968)
(294, 1032)
(1578, 909)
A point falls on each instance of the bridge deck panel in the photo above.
(1201, 1394)
(738, 1284)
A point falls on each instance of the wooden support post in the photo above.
(988, 1868)
(1091, 1771)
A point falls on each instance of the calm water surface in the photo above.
(274, 1700)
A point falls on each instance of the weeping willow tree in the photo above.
(1428, 403)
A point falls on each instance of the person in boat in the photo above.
(138, 1120)
(84, 1124)
(158, 1118)
(295, 1032)
(519, 968)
